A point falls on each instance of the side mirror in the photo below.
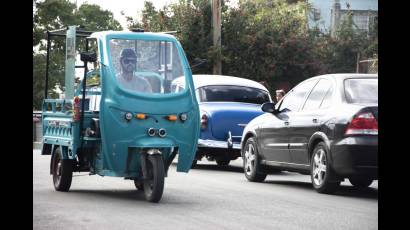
(88, 56)
(269, 107)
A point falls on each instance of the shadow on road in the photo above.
(299, 184)
(215, 167)
(344, 190)
(351, 191)
(127, 195)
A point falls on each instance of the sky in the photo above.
(130, 7)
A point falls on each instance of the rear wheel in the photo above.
(321, 172)
(361, 182)
(154, 183)
(223, 161)
(62, 172)
(251, 164)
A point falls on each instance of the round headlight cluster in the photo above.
(128, 116)
(183, 116)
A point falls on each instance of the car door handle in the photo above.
(314, 120)
(286, 122)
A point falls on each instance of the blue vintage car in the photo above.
(226, 104)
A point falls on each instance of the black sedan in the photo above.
(326, 126)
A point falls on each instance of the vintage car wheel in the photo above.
(251, 162)
(222, 161)
(154, 184)
(321, 172)
(360, 182)
(62, 172)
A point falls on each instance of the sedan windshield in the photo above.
(233, 94)
(361, 91)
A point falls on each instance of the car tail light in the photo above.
(204, 121)
(363, 124)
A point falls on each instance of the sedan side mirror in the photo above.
(269, 107)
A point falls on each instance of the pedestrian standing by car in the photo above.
(279, 94)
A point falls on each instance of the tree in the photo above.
(52, 15)
(268, 41)
(192, 20)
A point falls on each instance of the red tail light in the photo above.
(204, 121)
(363, 124)
(76, 109)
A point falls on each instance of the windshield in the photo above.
(361, 90)
(145, 66)
(233, 94)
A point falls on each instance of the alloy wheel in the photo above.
(249, 159)
(319, 167)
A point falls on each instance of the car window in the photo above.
(327, 100)
(233, 93)
(316, 96)
(294, 99)
(361, 90)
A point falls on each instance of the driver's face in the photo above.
(128, 64)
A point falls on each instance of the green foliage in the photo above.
(192, 20)
(266, 41)
(263, 40)
(51, 15)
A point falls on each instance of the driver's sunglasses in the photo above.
(129, 61)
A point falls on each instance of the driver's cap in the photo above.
(128, 53)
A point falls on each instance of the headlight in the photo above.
(128, 116)
(183, 116)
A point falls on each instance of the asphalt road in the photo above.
(208, 197)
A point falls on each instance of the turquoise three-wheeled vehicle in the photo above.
(125, 119)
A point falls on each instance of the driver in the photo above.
(127, 79)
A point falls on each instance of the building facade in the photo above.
(327, 15)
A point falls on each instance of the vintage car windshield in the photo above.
(145, 66)
(233, 94)
(361, 91)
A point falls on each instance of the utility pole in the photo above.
(216, 25)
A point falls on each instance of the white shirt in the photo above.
(136, 83)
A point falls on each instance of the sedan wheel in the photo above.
(319, 167)
(250, 162)
(321, 173)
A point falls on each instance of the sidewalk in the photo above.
(37, 145)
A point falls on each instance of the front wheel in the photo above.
(251, 163)
(154, 183)
(321, 172)
(62, 172)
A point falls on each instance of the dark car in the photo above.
(326, 126)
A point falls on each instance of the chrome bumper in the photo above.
(228, 144)
(217, 144)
